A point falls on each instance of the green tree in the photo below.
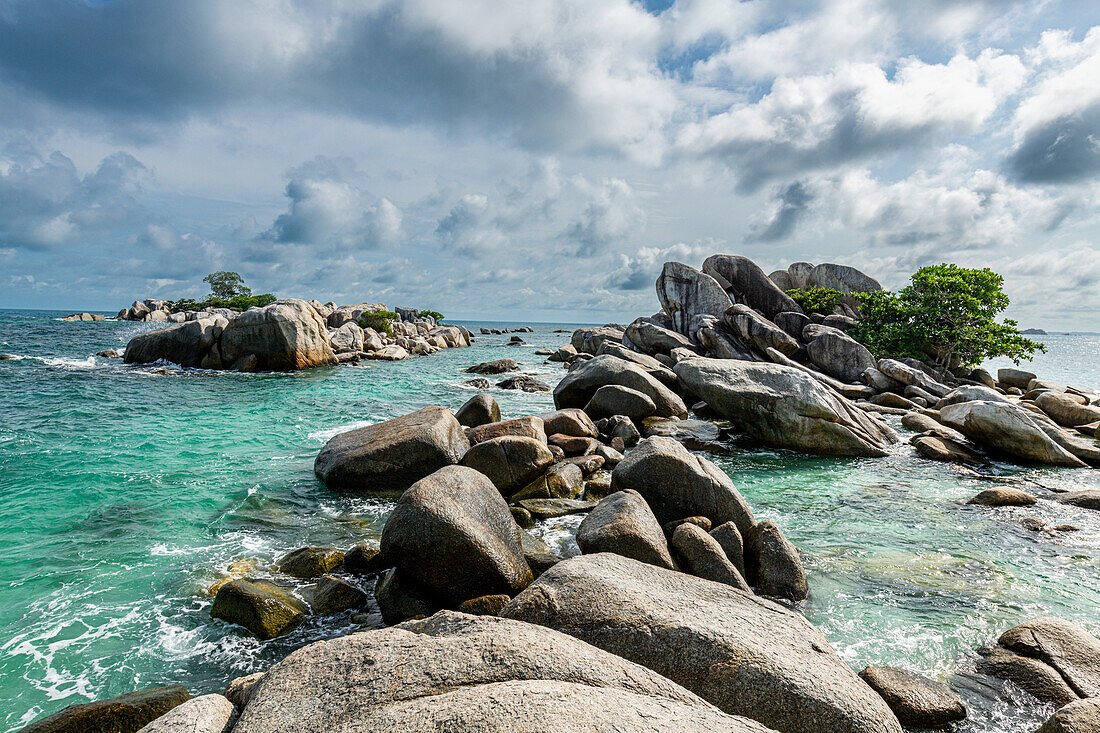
(948, 313)
(816, 300)
(434, 314)
(226, 285)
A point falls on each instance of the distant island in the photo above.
(1034, 332)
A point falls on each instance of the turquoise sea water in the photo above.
(125, 492)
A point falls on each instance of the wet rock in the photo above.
(1066, 647)
(1003, 496)
(785, 407)
(1032, 675)
(746, 655)
(400, 599)
(124, 714)
(579, 385)
(184, 343)
(392, 455)
(702, 556)
(685, 292)
(694, 434)
(524, 383)
(499, 366)
(917, 701)
(677, 484)
(452, 532)
(573, 446)
(457, 672)
(524, 427)
(1086, 499)
(310, 562)
(614, 399)
(477, 383)
(1082, 716)
(522, 516)
(480, 409)
(1007, 430)
(587, 464)
(624, 524)
(260, 608)
(1034, 524)
(571, 421)
(747, 283)
(364, 560)
(775, 565)
(205, 714)
(333, 595)
(537, 553)
(565, 353)
(510, 461)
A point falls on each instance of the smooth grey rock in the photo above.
(746, 655)
(748, 284)
(480, 409)
(571, 421)
(653, 338)
(615, 399)
(1009, 377)
(283, 336)
(732, 543)
(839, 355)
(624, 524)
(390, 456)
(1082, 716)
(685, 292)
(722, 343)
(1008, 430)
(204, 714)
(794, 323)
(676, 483)
(1067, 411)
(774, 563)
(184, 343)
(1085, 499)
(551, 508)
(456, 672)
(1040, 679)
(452, 532)
(878, 381)
(579, 385)
(588, 340)
(702, 556)
(917, 701)
(656, 369)
(907, 374)
(510, 461)
(785, 407)
(968, 393)
(1067, 647)
(843, 278)
(921, 423)
(347, 338)
(937, 448)
(752, 327)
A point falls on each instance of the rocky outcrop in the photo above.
(284, 336)
(588, 340)
(205, 714)
(456, 672)
(390, 456)
(578, 387)
(125, 714)
(746, 655)
(186, 344)
(917, 701)
(746, 283)
(624, 524)
(685, 292)
(1007, 430)
(676, 483)
(452, 533)
(785, 407)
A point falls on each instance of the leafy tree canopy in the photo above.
(227, 290)
(434, 314)
(226, 285)
(948, 313)
(816, 300)
(381, 321)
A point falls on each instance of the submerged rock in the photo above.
(390, 456)
(746, 655)
(452, 532)
(785, 407)
(917, 701)
(310, 562)
(1003, 496)
(125, 713)
(1067, 647)
(456, 672)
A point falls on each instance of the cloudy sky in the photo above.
(538, 160)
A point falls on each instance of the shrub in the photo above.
(434, 314)
(816, 300)
(381, 321)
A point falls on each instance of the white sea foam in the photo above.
(325, 435)
(67, 363)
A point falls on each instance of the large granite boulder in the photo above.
(588, 340)
(1066, 411)
(838, 354)
(1082, 716)
(457, 672)
(746, 655)
(750, 326)
(685, 292)
(615, 399)
(1008, 430)
(453, 533)
(656, 369)
(525, 427)
(747, 283)
(917, 701)
(347, 338)
(907, 374)
(624, 524)
(510, 461)
(123, 714)
(722, 343)
(785, 407)
(204, 714)
(183, 343)
(1063, 645)
(653, 338)
(676, 483)
(571, 421)
(283, 336)
(577, 388)
(390, 456)
(480, 409)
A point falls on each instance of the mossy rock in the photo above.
(485, 605)
(124, 714)
(311, 562)
(263, 608)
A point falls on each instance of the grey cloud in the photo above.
(1063, 150)
(790, 206)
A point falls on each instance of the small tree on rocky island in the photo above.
(226, 285)
(948, 313)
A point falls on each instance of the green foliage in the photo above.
(226, 285)
(946, 312)
(816, 300)
(434, 314)
(381, 321)
(238, 303)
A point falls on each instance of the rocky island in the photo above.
(681, 612)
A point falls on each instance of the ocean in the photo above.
(125, 491)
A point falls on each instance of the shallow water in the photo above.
(124, 493)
